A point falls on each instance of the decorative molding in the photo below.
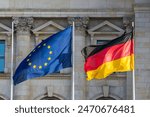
(37, 40)
(49, 91)
(93, 31)
(5, 27)
(105, 89)
(63, 13)
(46, 96)
(8, 39)
(3, 97)
(80, 22)
(101, 96)
(37, 30)
(106, 35)
(7, 30)
(23, 24)
(142, 7)
(127, 22)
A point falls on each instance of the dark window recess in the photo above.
(2, 56)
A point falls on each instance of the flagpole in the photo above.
(73, 61)
(12, 61)
(133, 85)
(133, 72)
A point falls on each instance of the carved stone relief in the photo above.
(23, 24)
(80, 22)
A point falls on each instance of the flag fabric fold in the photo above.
(115, 56)
(50, 56)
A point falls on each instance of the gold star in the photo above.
(33, 50)
(44, 44)
(29, 64)
(28, 60)
(39, 46)
(29, 55)
(50, 52)
(49, 58)
(34, 66)
(45, 64)
(49, 47)
(40, 67)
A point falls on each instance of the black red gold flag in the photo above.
(115, 56)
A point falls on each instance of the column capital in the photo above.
(23, 24)
(127, 22)
(80, 22)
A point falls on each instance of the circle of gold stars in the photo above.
(34, 66)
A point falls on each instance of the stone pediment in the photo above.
(48, 27)
(4, 28)
(105, 27)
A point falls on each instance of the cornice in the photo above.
(65, 13)
(142, 7)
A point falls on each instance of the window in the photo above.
(2, 56)
(101, 42)
(105, 98)
(50, 98)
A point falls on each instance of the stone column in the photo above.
(80, 78)
(8, 56)
(142, 49)
(22, 48)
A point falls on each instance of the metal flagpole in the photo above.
(12, 61)
(133, 72)
(133, 85)
(73, 62)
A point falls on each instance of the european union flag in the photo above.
(50, 56)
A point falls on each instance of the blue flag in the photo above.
(50, 56)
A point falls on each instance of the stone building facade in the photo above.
(96, 21)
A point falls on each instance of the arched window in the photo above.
(50, 98)
(105, 98)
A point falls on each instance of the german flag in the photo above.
(116, 55)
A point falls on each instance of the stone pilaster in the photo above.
(23, 27)
(8, 56)
(80, 78)
(22, 45)
(142, 50)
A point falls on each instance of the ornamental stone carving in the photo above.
(127, 22)
(80, 22)
(23, 24)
